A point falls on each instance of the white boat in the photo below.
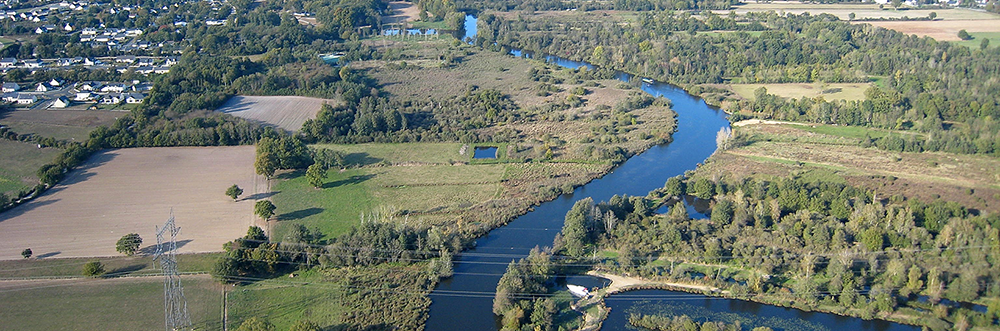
(647, 80)
(578, 291)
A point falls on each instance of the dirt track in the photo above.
(286, 112)
(133, 190)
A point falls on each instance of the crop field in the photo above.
(402, 11)
(286, 112)
(947, 30)
(133, 303)
(134, 190)
(18, 163)
(861, 11)
(835, 154)
(830, 91)
(59, 124)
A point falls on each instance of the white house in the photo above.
(56, 82)
(112, 99)
(84, 96)
(117, 87)
(135, 98)
(43, 87)
(26, 99)
(33, 63)
(10, 87)
(60, 102)
(8, 62)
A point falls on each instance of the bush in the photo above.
(93, 269)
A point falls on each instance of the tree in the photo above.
(93, 269)
(256, 324)
(128, 244)
(932, 15)
(264, 209)
(265, 164)
(304, 325)
(964, 35)
(234, 192)
(851, 16)
(896, 4)
(983, 45)
(315, 174)
(26, 253)
(674, 187)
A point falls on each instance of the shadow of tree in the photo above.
(49, 254)
(353, 180)
(122, 271)
(360, 159)
(151, 249)
(264, 195)
(299, 214)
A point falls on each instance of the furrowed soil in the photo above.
(286, 112)
(122, 191)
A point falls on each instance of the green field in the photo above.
(19, 163)
(421, 185)
(118, 266)
(104, 304)
(830, 91)
(283, 302)
(978, 37)
(62, 132)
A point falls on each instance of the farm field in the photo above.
(830, 91)
(134, 190)
(835, 152)
(861, 11)
(19, 163)
(947, 30)
(133, 303)
(286, 112)
(60, 124)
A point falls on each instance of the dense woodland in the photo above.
(819, 245)
(928, 85)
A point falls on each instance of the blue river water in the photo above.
(464, 301)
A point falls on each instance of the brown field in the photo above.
(133, 190)
(831, 91)
(941, 30)
(861, 11)
(402, 11)
(972, 180)
(59, 124)
(286, 112)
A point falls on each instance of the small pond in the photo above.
(696, 208)
(485, 153)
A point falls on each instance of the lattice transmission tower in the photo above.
(175, 310)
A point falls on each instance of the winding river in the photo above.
(464, 301)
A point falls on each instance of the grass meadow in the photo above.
(19, 163)
(829, 91)
(104, 304)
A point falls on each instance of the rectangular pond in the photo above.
(485, 153)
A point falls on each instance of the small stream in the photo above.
(464, 301)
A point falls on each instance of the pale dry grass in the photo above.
(286, 112)
(829, 91)
(861, 11)
(133, 190)
(402, 11)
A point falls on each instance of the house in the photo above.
(9, 97)
(90, 61)
(215, 22)
(161, 70)
(33, 63)
(56, 82)
(46, 28)
(61, 102)
(63, 62)
(142, 87)
(116, 87)
(112, 99)
(89, 86)
(135, 98)
(144, 70)
(43, 87)
(133, 32)
(10, 87)
(146, 61)
(8, 62)
(170, 60)
(84, 96)
(26, 99)
(89, 32)
(67, 27)
(125, 59)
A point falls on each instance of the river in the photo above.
(464, 301)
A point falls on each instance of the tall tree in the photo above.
(315, 174)
(264, 209)
(129, 244)
(234, 192)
